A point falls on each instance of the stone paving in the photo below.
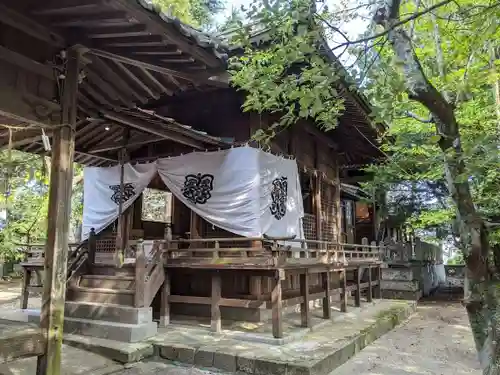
(436, 340)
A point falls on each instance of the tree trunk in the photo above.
(483, 295)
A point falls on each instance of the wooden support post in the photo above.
(140, 275)
(59, 210)
(343, 292)
(92, 246)
(378, 287)
(369, 294)
(276, 302)
(327, 308)
(305, 313)
(165, 303)
(358, 273)
(317, 207)
(255, 281)
(25, 292)
(215, 322)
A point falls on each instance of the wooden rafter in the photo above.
(198, 77)
(26, 63)
(132, 77)
(156, 83)
(155, 129)
(113, 145)
(111, 75)
(28, 26)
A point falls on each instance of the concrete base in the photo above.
(318, 352)
(131, 324)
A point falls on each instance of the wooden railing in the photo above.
(149, 272)
(276, 249)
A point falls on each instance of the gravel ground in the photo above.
(435, 341)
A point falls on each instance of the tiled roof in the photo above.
(204, 40)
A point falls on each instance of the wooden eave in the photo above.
(132, 54)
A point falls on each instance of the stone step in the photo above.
(100, 295)
(108, 312)
(115, 331)
(110, 330)
(108, 281)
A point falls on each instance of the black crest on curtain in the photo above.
(197, 188)
(128, 192)
(279, 195)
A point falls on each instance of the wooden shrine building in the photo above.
(109, 82)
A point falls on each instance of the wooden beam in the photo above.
(107, 88)
(56, 253)
(27, 63)
(28, 26)
(131, 30)
(21, 138)
(152, 129)
(149, 77)
(200, 77)
(122, 68)
(93, 21)
(24, 120)
(112, 145)
(110, 74)
(101, 157)
(73, 9)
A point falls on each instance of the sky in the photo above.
(352, 29)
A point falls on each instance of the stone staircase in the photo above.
(102, 304)
(109, 302)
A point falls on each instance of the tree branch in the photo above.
(388, 29)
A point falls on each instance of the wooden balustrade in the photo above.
(275, 251)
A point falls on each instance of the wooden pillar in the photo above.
(317, 205)
(276, 303)
(122, 232)
(255, 282)
(59, 211)
(215, 321)
(378, 287)
(357, 276)
(338, 199)
(25, 289)
(369, 295)
(305, 313)
(165, 303)
(194, 225)
(327, 308)
(343, 291)
(92, 246)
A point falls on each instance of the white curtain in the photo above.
(101, 193)
(222, 187)
(243, 190)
